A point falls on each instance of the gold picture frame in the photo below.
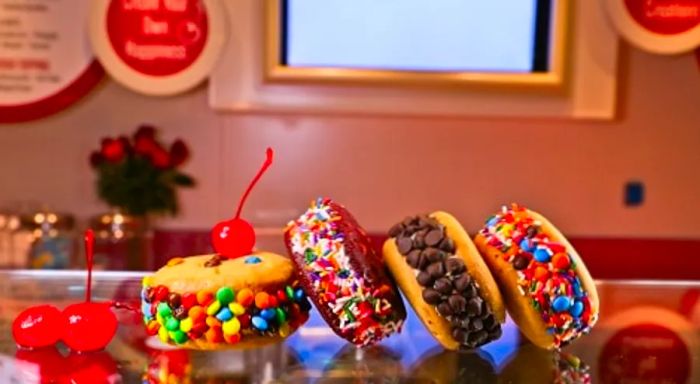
(554, 78)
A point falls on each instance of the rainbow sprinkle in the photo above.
(364, 315)
(546, 273)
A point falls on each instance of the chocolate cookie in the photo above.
(342, 275)
(444, 278)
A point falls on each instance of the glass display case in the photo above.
(648, 333)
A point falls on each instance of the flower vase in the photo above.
(123, 242)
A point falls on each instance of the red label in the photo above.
(666, 17)
(157, 37)
(647, 353)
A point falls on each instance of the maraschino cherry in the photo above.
(236, 238)
(89, 325)
(38, 326)
(83, 327)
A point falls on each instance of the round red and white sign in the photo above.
(659, 26)
(158, 47)
(46, 63)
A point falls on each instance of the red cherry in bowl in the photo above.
(90, 326)
(233, 238)
(39, 326)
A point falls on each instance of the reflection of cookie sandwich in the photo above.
(447, 367)
(533, 365)
(342, 275)
(546, 286)
(444, 278)
(209, 302)
(368, 365)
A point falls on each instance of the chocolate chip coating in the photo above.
(431, 296)
(436, 269)
(404, 244)
(447, 245)
(458, 303)
(474, 306)
(476, 324)
(443, 285)
(434, 254)
(461, 282)
(434, 237)
(424, 279)
(414, 259)
(445, 280)
(445, 309)
(396, 230)
(454, 265)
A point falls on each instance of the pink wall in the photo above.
(386, 168)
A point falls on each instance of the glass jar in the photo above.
(122, 241)
(53, 240)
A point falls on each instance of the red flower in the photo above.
(145, 145)
(160, 157)
(179, 153)
(113, 150)
(145, 130)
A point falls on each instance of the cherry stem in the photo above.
(125, 306)
(89, 241)
(266, 164)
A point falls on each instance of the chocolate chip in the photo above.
(447, 245)
(532, 231)
(414, 258)
(458, 303)
(476, 324)
(454, 265)
(436, 269)
(408, 220)
(495, 333)
(462, 282)
(462, 322)
(460, 335)
(474, 306)
(419, 241)
(404, 244)
(431, 296)
(396, 230)
(174, 300)
(484, 309)
(424, 279)
(444, 309)
(434, 237)
(180, 313)
(470, 291)
(214, 261)
(424, 221)
(489, 321)
(478, 338)
(434, 254)
(520, 261)
(443, 285)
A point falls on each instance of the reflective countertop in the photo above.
(648, 333)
